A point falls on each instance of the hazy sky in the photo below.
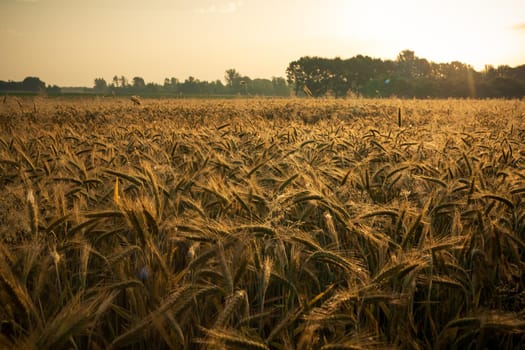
(71, 42)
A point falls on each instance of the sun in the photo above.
(474, 47)
(432, 31)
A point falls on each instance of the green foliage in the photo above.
(408, 76)
(236, 85)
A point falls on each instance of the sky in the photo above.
(72, 42)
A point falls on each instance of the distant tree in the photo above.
(100, 84)
(231, 76)
(315, 73)
(296, 75)
(10, 86)
(190, 86)
(171, 84)
(519, 73)
(33, 84)
(256, 86)
(115, 81)
(244, 85)
(408, 76)
(139, 83)
(123, 81)
(406, 56)
(280, 88)
(406, 64)
(489, 72)
(152, 87)
(53, 89)
(216, 87)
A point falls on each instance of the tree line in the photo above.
(407, 76)
(29, 84)
(236, 84)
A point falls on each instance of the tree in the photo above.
(405, 61)
(123, 81)
(152, 88)
(100, 84)
(216, 87)
(53, 89)
(280, 88)
(242, 84)
(316, 73)
(296, 76)
(33, 84)
(408, 76)
(257, 86)
(115, 81)
(190, 86)
(231, 76)
(170, 84)
(139, 83)
(406, 56)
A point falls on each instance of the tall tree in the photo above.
(280, 88)
(405, 61)
(232, 77)
(296, 75)
(138, 83)
(100, 84)
(123, 81)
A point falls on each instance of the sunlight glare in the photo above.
(433, 32)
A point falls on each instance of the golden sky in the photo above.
(71, 42)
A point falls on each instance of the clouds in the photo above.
(220, 7)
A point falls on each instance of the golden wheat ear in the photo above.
(136, 100)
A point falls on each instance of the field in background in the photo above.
(262, 224)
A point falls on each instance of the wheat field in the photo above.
(262, 224)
